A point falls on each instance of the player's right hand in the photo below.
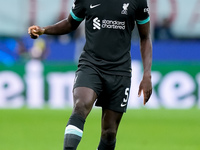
(35, 31)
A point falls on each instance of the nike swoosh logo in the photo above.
(93, 6)
(122, 105)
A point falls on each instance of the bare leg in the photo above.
(84, 99)
(110, 123)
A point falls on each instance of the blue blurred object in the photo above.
(163, 50)
(171, 50)
(8, 51)
(61, 51)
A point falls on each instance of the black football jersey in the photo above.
(108, 29)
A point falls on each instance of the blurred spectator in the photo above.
(39, 50)
(22, 51)
(163, 31)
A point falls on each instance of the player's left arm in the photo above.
(146, 54)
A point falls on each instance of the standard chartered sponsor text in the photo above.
(113, 24)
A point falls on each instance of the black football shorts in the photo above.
(112, 90)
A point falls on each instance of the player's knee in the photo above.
(81, 108)
(109, 135)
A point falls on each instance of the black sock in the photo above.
(73, 132)
(103, 145)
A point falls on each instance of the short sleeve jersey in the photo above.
(108, 30)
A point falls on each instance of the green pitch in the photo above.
(142, 129)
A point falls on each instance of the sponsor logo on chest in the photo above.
(99, 24)
(108, 24)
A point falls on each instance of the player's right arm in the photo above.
(63, 27)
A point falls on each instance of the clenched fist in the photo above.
(35, 31)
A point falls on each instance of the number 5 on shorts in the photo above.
(125, 100)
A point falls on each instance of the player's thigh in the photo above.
(87, 85)
(84, 99)
(84, 96)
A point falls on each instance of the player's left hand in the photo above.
(146, 87)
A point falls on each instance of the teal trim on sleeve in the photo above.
(143, 21)
(74, 16)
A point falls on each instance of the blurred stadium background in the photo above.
(39, 73)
